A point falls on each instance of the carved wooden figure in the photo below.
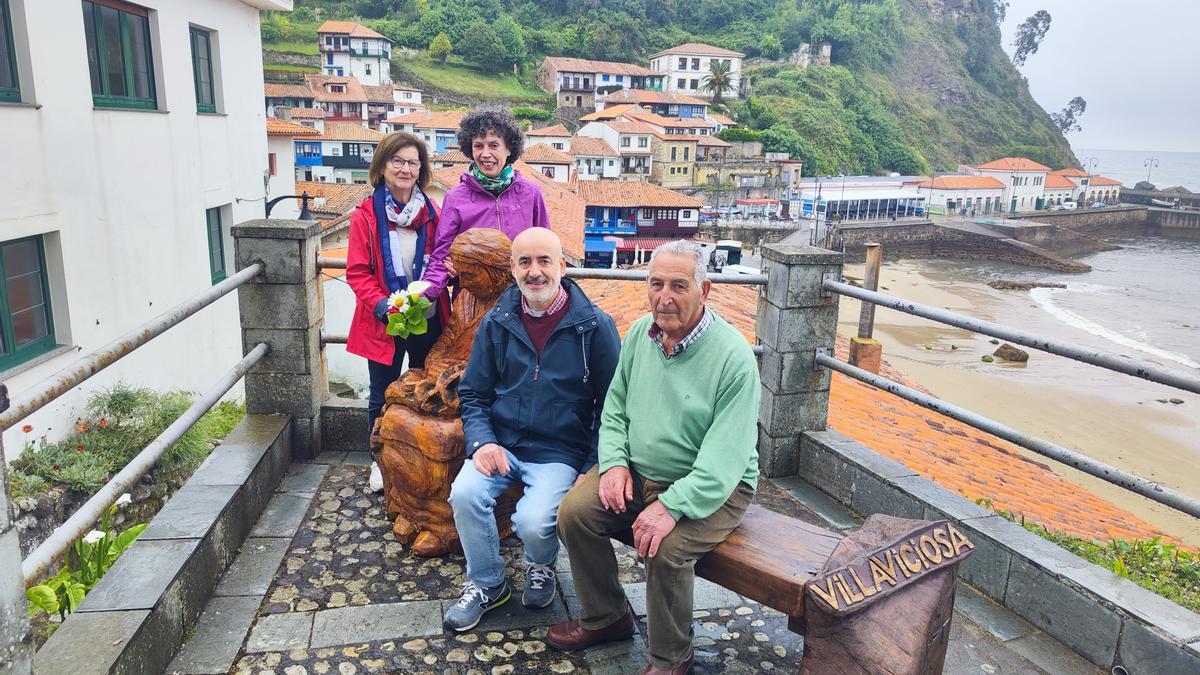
(419, 434)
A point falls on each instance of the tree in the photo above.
(1001, 7)
(510, 37)
(1029, 36)
(718, 80)
(440, 48)
(480, 45)
(770, 47)
(1068, 119)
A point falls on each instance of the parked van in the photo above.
(1069, 206)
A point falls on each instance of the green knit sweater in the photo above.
(689, 421)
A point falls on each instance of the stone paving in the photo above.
(322, 586)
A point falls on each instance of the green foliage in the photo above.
(440, 48)
(84, 564)
(514, 43)
(739, 135)
(481, 46)
(1164, 568)
(770, 47)
(718, 81)
(120, 422)
(527, 113)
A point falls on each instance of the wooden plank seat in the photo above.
(769, 558)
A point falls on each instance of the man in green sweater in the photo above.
(677, 463)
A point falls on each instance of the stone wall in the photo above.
(749, 235)
(1173, 222)
(1114, 221)
(291, 58)
(928, 239)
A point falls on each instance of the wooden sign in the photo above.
(873, 577)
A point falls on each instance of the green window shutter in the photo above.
(202, 70)
(216, 244)
(26, 320)
(10, 86)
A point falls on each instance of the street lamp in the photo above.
(1090, 163)
(1150, 163)
(305, 214)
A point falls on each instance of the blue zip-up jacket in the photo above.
(540, 411)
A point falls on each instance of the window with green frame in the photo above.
(10, 86)
(216, 244)
(119, 56)
(202, 70)
(26, 326)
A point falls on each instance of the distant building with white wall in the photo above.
(967, 195)
(121, 204)
(281, 164)
(1024, 182)
(351, 49)
(595, 158)
(687, 64)
(551, 163)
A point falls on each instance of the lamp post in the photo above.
(1150, 163)
(1090, 163)
(305, 214)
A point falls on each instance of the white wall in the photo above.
(120, 195)
(669, 64)
(561, 172)
(284, 180)
(585, 167)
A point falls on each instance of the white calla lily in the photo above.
(93, 537)
(418, 287)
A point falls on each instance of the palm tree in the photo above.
(718, 80)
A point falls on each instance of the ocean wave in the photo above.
(1044, 297)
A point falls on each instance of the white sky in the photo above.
(1137, 64)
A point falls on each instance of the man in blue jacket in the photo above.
(530, 397)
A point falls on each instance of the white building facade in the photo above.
(351, 49)
(122, 203)
(686, 66)
(1024, 182)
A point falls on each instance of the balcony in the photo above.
(623, 227)
(380, 53)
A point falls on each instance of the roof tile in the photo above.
(586, 146)
(278, 127)
(1013, 164)
(556, 130)
(699, 48)
(633, 193)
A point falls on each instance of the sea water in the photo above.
(1129, 166)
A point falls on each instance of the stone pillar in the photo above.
(795, 320)
(285, 308)
(15, 652)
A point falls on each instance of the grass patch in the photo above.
(459, 77)
(1164, 568)
(119, 423)
(291, 68)
(309, 48)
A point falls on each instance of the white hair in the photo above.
(687, 249)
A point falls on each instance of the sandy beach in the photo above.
(1111, 417)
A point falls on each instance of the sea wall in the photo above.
(932, 240)
(1113, 221)
(1175, 223)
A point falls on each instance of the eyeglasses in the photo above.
(400, 163)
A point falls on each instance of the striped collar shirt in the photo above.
(656, 334)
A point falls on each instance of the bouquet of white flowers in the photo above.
(406, 312)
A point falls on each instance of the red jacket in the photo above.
(368, 337)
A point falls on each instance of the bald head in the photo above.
(538, 266)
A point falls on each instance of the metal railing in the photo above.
(43, 558)
(1119, 477)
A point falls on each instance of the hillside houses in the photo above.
(351, 49)
(686, 66)
(577, 82)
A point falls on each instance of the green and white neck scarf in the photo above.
(493, 185)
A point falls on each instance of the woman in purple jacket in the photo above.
(490, 194)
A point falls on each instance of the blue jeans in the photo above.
(473, 497)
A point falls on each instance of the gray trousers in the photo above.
(584, 526)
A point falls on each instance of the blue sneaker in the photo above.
(474, 603)
(540, 584)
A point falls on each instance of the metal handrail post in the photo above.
(1132, 482)
(39, 562)
(1112, 362)
(42, 393)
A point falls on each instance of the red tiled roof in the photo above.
(351, 28)
(1057, 181)
(684, 138)
(453, 155)
(307, 113)
(354, 92)
(647, 96)
(710, 141)
(586, 146)
(280, 90)
(446, 119)
(1102, 180)
(278, 127)
(588, 66)
(556, 130)
(958, 457)
(1071, 171)
(349, 131)
(698, 48)
(964, 183)
(379, 93)
(633, 193)
(643, 243)
(1013, 164)
(340, 198)
(624, 126)
(541, 153)
(725, 121)
(611, 112)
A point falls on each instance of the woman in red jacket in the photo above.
(391, 236)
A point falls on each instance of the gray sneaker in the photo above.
(474, 603)
(540, 584)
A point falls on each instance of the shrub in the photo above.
(526, 113)
(440, 48)
(736, 135)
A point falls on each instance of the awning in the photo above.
(599, 246)
(643, 243)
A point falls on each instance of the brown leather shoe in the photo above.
(681, 669)
(570, 636)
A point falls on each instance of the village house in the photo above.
(555, 136)
(712, 149)
(686, 66)
(1059, 188)
(286, 95)
(968, 195)
(553, 164)
(340, 154)
(667, 104)
(122, 179)
(351, 49)
(281, 163)
(595, 158)
(625, 216)
(439, 130)
(407, 99)
(1090, 188)
(631, 139)
(313, 118)
(1024, 181)
(674, 160)
(577, 82)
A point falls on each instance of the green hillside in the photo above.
(914, 85)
